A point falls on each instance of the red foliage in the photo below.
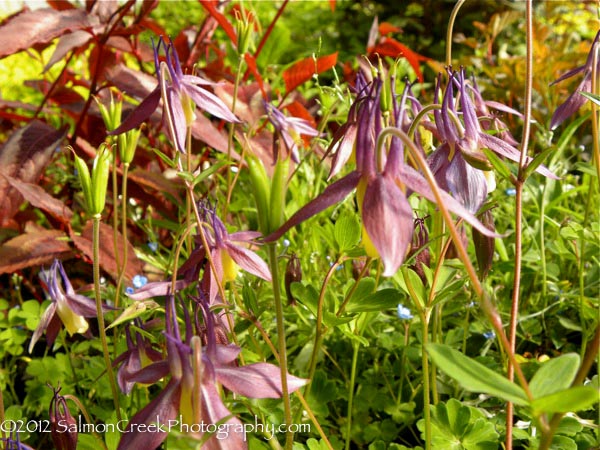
(303, 70)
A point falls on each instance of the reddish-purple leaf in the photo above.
(39, 27)
(76, 40)
(32, 249)
(24, 157)
(107, 251)
(39, 198)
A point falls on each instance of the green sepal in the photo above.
(100, 173)
(278, 191)
(84, 178)
(261, 191)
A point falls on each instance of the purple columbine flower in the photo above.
(229, 252)
(182, 94)
(383, 182)
(67, 307)
(289, 129)
(63, 426)
(576, 100)
(192, 395)
(459, 164)
(139, 354)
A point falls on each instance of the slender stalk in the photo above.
(425, 363)
(419, 160)
(314, 420)
(351, 394)
(236, 86)
(100, 313)
(453, 15)
(319, 326)
(123, 266)
(514, 311)
(287, 407)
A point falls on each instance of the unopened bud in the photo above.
(63, 427)
(293, 273)
(419, 248)
(484, 245)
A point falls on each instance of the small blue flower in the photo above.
(511, 192)
(404, 313)
(139, 281)
(129, 290)
(489, 335)
(286, 243)
(153, 246)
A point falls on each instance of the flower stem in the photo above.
(419, 161)
(123, 265)
(319, 332)
(287, 408)
(514, 310)
(100, 313)
(351, 394)
(451, 21)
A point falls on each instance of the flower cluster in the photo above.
(198, 361)
(384, 180)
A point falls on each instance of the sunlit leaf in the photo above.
(303, 70)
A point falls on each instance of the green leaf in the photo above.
(378, 301)
(347, 231)
(569, 400)
(554, 375)
(593, 97)
(208, 172)
(537, 161)
(501, 168)
(459, 427)
(567, 134)
(136, 309)
(474, 376)
(166, 159)
(365, 287)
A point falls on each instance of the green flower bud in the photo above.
(243, 27)
(261, 191)
(100, 172)
(111, 114)
(278, 191)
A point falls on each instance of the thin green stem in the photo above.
(236, 85)
(100, 313)
(453, 15)
(351, 394)
(123, 266)
(287, 407)
(425, 363)
(319, 332)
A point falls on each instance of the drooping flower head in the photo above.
(289, 129)
(63, 426)
(197, 363)
(576, 100)
(383, 182)
(181, 94)
(67, 307)
(459, 163)
(229, 252)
